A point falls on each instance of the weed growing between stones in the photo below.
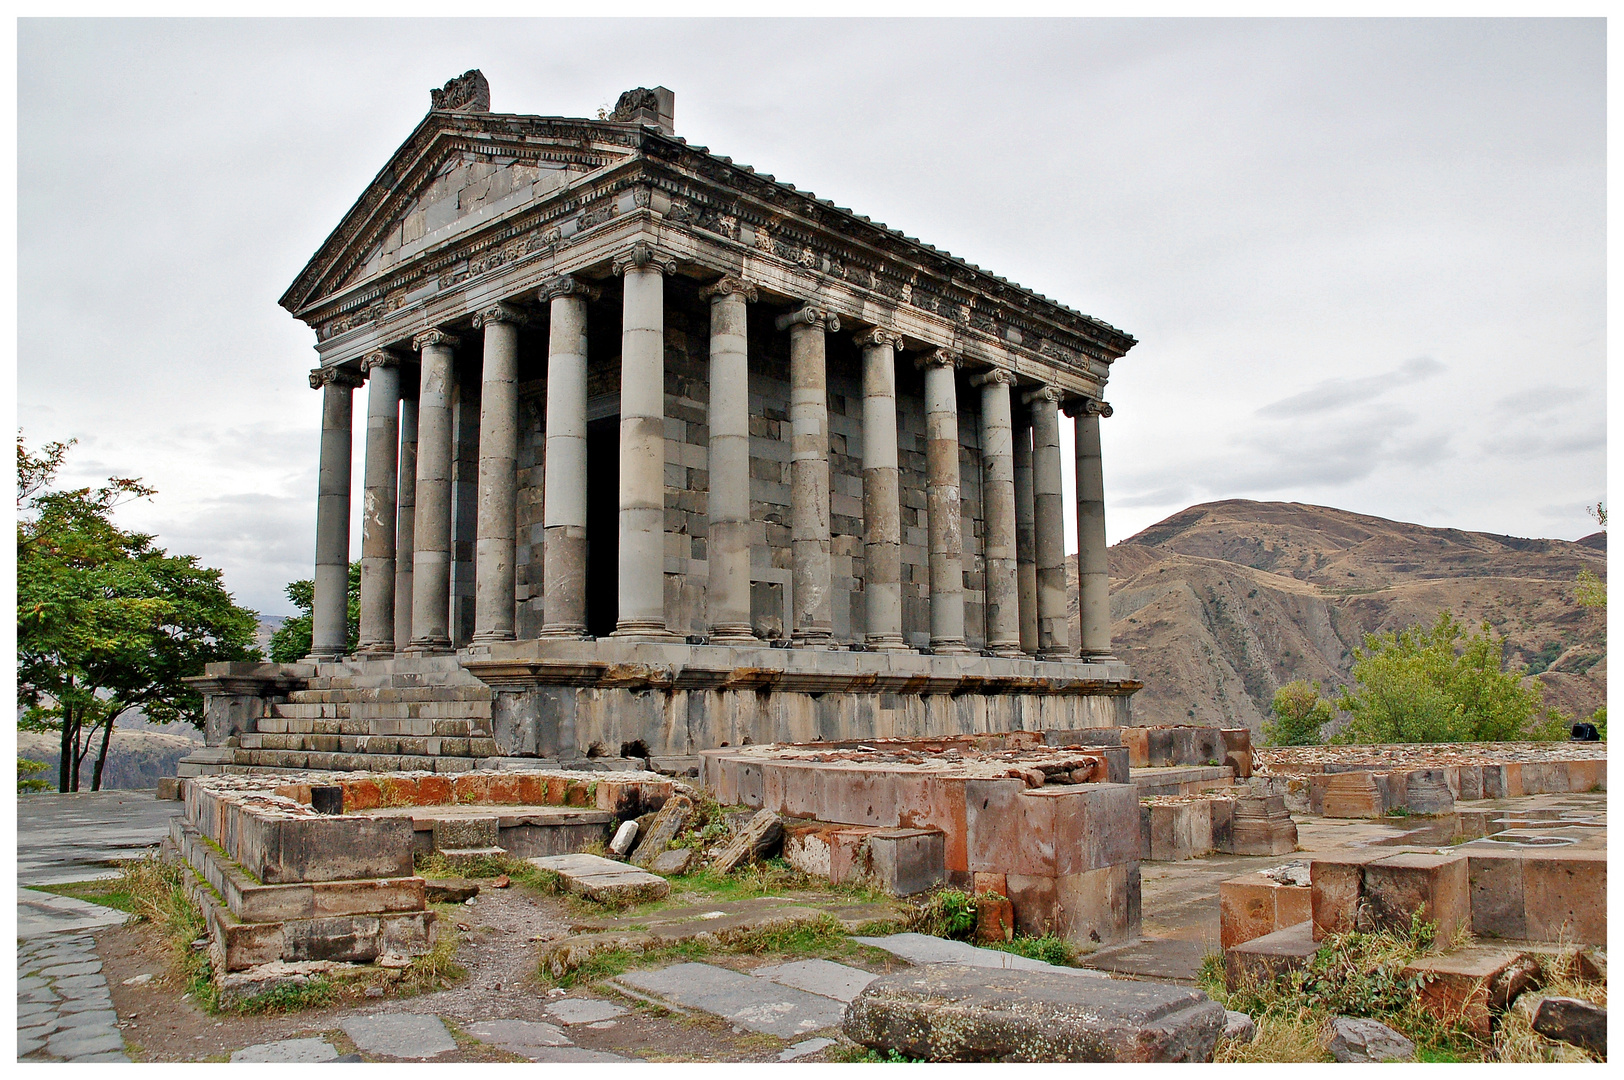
(1353, 974)
(156, 892)
(945, 913)
(1048, 948)
(108, 892)
(1516, 1040)
(315, 994)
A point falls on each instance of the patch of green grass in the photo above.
(853, 1054)
(1353, 974)
(315, 994)
(108, 892)
(1048, 948)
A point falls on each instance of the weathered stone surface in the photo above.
(399, 1035)
(1263, 958)
(672, 863)
(822, 977)
(449, 890)
(995, 919)
(568, 1011)
(604, 880)
(1239, 1026)
(1397, 887)
(519, 1036)
(755, 1004)
(670, 821)
(1356, 1039)
(1253, 905)
(954, 1013)
(1472, 984)
(1573, 1020)
(290, 1051)
(755, 841)
(907, 861)
(625, 836)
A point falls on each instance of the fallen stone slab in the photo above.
(523, 1037)
(624, 837)
(671, 819)
(449, 890)
(1355, 1039)
(673, 863)
(925, 949)
(804, 1048)
(400, 1035)
(1239, 1026)
(822, 977)
(570, 1011)
(949, 1012)
(604, 880)
(755, 841)
(1472, 984)
(288, 1050)
(1573, 1020)
(755, 1004)
(1263, 958)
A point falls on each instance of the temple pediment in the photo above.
(456, 172)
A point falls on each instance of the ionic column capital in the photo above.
(566, 285)
(810, 315)
(996, 375)
(337, 376)
(1042, 393)
(433, 337)
(730, 285)
(878, 336)
(498, 313)
(642, 255)
(939, 358)
(1088, 407)
(382, 358)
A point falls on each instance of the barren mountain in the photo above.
(1218, 605)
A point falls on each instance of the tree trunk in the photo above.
(101, 754)
(65, 759)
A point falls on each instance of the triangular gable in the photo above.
(455, 167)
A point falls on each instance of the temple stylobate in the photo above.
(662, 452)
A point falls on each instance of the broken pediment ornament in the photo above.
(468, 92)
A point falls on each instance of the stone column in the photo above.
(564, 494)
(1049, 524)
(1026, 567)
(642, 442)
(998, 503)
(431, 532)
(809, 474)
(942, 503)
(405, 519)
(329, 624)
(1094, 590)
(882, 493)
(494, 588)
(377, 633)
(727, 594)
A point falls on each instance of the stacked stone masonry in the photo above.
(618, 388)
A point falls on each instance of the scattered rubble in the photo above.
(1357, 1039)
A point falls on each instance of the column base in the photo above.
(485, 637)
(323, 657)
(377, 648)
(1010, 651)
(428, 647)
(887, 643)
(950, 647)
(1055, 655)
(565, 631)
(642, 628)
(1098, 658)
(733, 634)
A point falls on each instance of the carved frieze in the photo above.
(468, 92)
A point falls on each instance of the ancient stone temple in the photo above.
(663, 454)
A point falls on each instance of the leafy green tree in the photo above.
(291, 642)
(26, 781)
(106, 621)
(1299, 715)
(1437, 685)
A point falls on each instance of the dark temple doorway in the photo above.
(602, 525)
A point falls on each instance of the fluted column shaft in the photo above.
(727, 593)
(1026, 567)
(377, 631)
(942, 502)
(1049, 524)
(564, 491)
(405, 520)
(642, 444)
(329, 623)
(494, 589)
(1094, 588)
(998, 509)
(431, 551)
(882, 493)
(813, 622)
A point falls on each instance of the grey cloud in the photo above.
(1340, 393)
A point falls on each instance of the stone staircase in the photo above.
(386, 714)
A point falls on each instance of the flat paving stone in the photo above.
(82, 967)
(519, 1036)
(924, 949)
(80, 835)
(757, 1004)
(118, 1056)
(602, 879)
(79, 982)
(571, 1053)
(288, 1050)
(401, 1035)
(583, 1010)
(100, 1000)
(28, 1046)
(822, 977)
(88, 1018)
(41, 913)
(802, 1049)
(78, 1041)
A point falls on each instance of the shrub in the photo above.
(1299, 715)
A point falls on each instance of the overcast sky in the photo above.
(1365, 261)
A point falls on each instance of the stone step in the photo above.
(432, 710)
(1181, 779)
(390, 694)
(416, 745)
(283, 725)
(283, 760)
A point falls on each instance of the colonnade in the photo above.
(406, 544)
